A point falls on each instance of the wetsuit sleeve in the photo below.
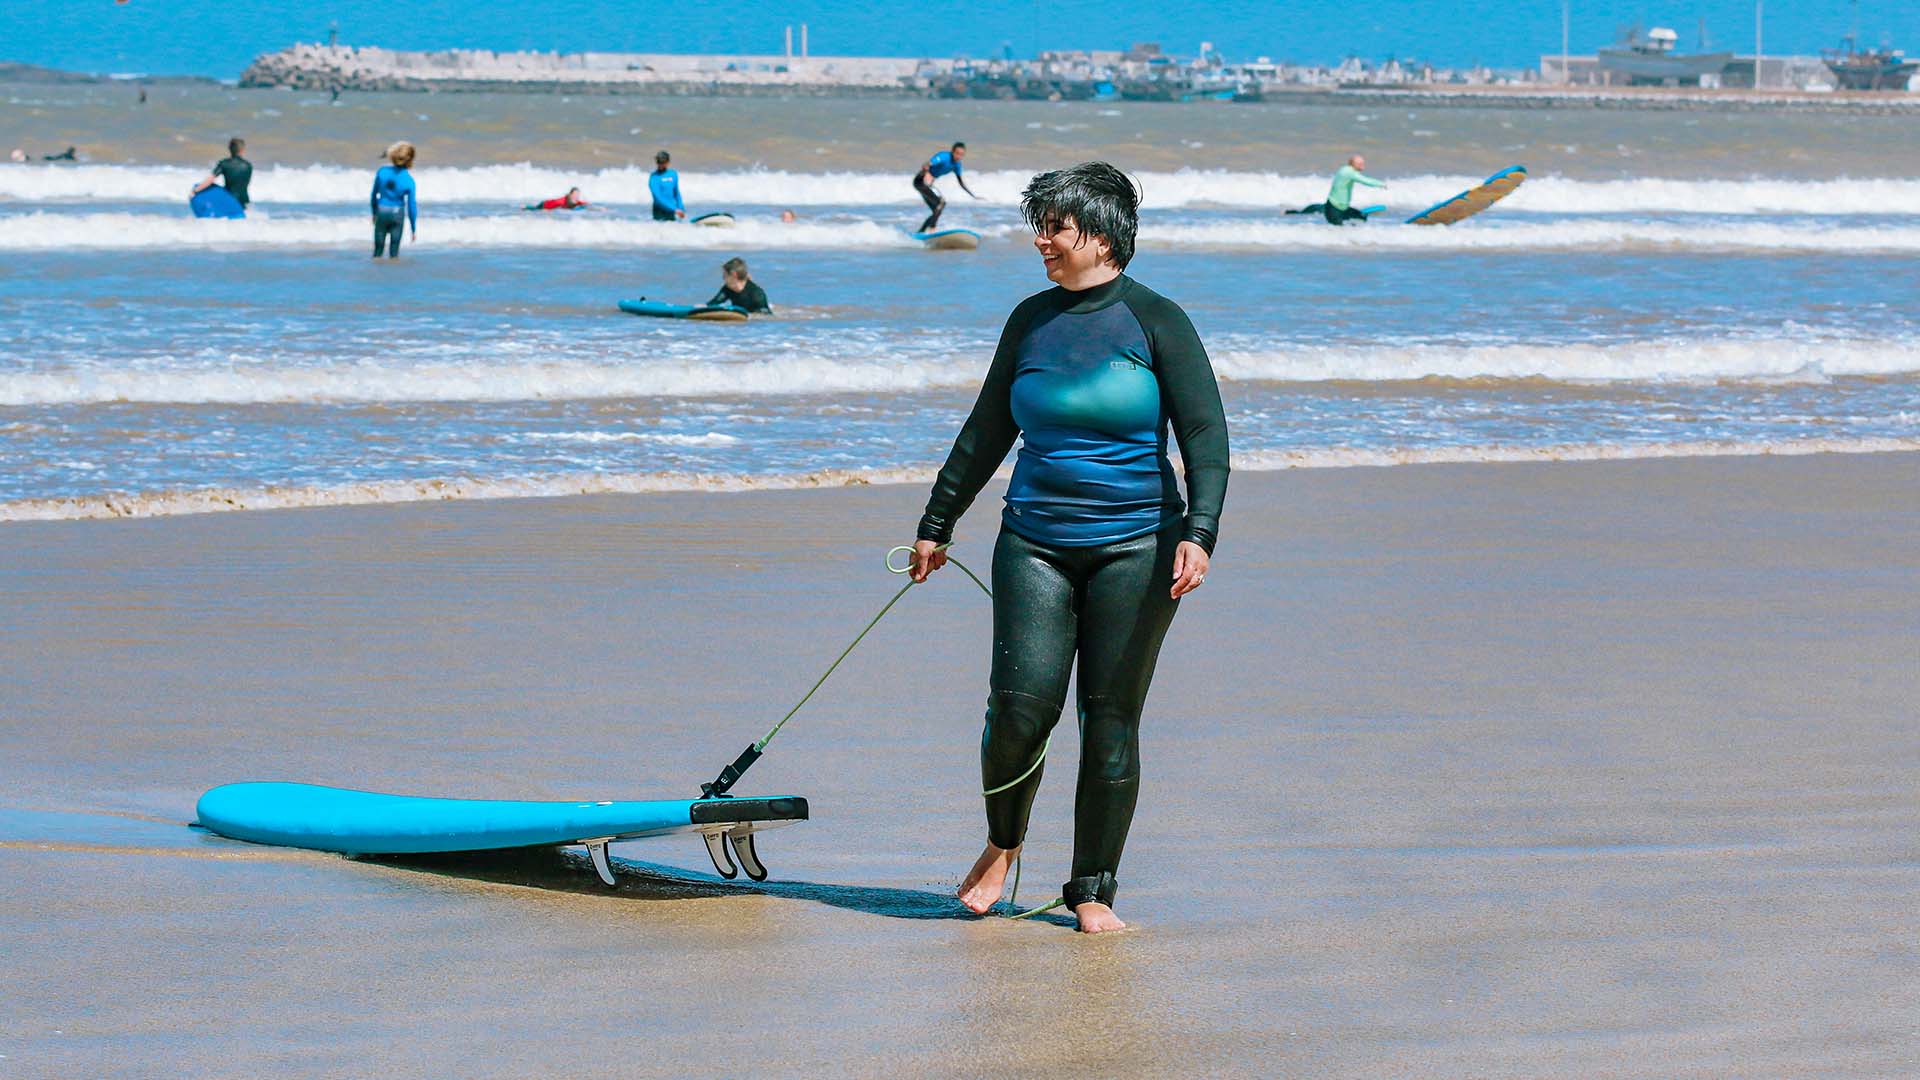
(413, 206)
(1363, 178)
(984, 439)
(373, 199)
(1191, 396)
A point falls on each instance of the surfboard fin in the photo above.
(597, 851)
(745, 855)
(722, 861)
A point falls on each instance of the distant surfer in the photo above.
(1096, 546)
(572, 200)
(69, 154)
(737, 287)
(1339, 208)
(232, 172)
(664, 183)
(394, 201)
(935, 167)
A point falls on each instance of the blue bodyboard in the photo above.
(216, 202)
(702, 312)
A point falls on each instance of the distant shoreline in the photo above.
(877, 77)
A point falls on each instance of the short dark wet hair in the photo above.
(662, 158)
(735, 265)
(959, 146)
(235, 145)
(1101, 200)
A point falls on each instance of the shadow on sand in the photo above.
(565, 870)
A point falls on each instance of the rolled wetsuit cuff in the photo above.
(1201, 530)
(1093, 889)
(936, 529)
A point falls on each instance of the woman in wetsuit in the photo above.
(1096, 547)
(394, 200)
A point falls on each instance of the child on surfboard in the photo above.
(572, 200)
(738, 289)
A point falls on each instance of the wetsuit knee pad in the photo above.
(1110, 739)
(1017, 726)
(1092, 889)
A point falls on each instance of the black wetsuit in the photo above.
(1092, 381)
(935, 201)
(235, 173)
(753, 298)
(1334, 214)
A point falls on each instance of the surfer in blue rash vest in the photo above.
(393, 196)
(664, 184)
(1096, 546)
(935, 167)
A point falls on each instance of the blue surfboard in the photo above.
(1473, 200)
(216, 202)
(702, 312)
(949, 239)
(322, 818)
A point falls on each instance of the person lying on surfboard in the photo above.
(940, 164)
(1339, 208)
(737, 288)
(572, 200)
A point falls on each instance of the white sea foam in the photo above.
(130, 231)
(513, 185)
(790, 373)
(595, 483)
(120, 231)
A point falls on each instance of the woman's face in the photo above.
(1068, 254)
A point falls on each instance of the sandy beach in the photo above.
(1505, 770)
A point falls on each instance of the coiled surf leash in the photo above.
(731, 775)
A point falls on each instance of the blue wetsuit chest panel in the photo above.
(391, 186)
(941, 164)
(1092, 466)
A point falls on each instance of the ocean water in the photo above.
(1626, 301)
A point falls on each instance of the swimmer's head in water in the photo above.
(236, 146)
(401, 154)
(1095, 198)
(789, 216)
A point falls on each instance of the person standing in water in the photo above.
(664, 184)
(1096, 547)
(1339, 208)
(232, 172)
(737, 288)
(935, 167)
(394, 201)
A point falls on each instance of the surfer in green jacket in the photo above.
(1339, 208)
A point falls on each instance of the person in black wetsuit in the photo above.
(1096, 546)
(69, 154)
(737, 288)
(233, 171)
(935, 167)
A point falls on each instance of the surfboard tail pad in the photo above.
(321, 818)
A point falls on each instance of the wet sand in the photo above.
(1521, 770)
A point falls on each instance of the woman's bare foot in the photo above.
(1097, 918)
(988, 878)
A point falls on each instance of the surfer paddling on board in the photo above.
(737, 287)
(664, 185)
(935, 167)
(1096, 547)
(1339, 208)
(572, 200)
